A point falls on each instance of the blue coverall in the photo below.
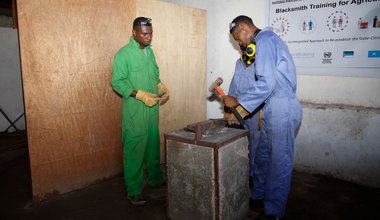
(243, 79)
(282, 113)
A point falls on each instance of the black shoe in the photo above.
(250, 182)
(137, 200)
(256, 205)
(267, 217)
(162, 186)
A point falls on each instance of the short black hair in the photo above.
(238, 20)
(138, 22)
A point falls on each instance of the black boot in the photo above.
(267, 217)
(256, 205)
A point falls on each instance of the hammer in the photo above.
(215, 87)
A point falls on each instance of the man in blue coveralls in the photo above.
(243, 79)
(282, 113)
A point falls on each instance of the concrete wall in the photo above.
(340, 131)
(339, 134)
(340, 141)
(11, 99)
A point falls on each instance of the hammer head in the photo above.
(215, 84)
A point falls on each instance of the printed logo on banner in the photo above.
(330, 33)
(362, 24)
(376, 23)
(327, 57)
(281, 26)
(285, 1)
(278, 2)
(347, 54)
(374, 54)
(307, 25)
(337, 21)
(303, 55)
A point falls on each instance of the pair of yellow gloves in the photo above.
(150, 99)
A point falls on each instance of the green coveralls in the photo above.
(134, 69)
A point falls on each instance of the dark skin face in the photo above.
(242, 35)
(143, 35)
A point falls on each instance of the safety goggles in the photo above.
(147, 21)
(232, 26)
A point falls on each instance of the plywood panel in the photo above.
(179, 42)
(72, 114)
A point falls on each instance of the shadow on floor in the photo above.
(312, 197)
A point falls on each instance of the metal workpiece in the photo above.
(209, 133)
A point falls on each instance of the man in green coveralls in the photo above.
(136, 78)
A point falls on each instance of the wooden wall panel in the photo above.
(72, 114)
(179, 42)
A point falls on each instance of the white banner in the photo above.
(328, 33)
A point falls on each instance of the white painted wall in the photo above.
(222, 50)
(358, 91)
(11, 98)
(340, 131)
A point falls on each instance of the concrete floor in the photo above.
(312, 197)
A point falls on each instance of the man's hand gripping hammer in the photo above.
(215, 87)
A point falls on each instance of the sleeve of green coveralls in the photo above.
(157, 70)
(120, 77)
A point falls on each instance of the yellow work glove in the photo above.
(231, 119)
(241, 111)
(149, 99)
(162, 92)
